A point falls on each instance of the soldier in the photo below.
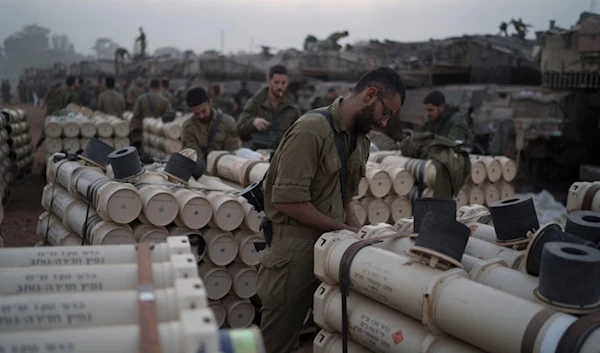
(242, 96)
(303, 198)
(445, 119)
(222, 101)
(98, 91)
(269, 113)
(52, 100)
(110, 101)
(70, 93)
(382, 141)
(151, 104)
(209, 129)
(85, 92)
(134, 92)
(164, 90)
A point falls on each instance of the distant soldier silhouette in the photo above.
(142, 40)
(504, 28)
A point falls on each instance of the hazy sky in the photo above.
(196, 24)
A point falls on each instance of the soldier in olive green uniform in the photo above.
(134, 92)
(52, 101)
(70, 93)
(110, 101)
(303, 199)
(382, 141)
(164, 86)
(208, 129)
(224, 102)
(269, 113)
(151, 104)
(100, 87)
(445, 119)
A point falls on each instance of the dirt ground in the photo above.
(24, 203)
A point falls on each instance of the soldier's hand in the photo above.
(261, 124)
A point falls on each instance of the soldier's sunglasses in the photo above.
(387, 112)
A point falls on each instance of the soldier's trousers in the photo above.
(286, 285)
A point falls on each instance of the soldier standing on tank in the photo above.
(445, 119)
(222, 101)
(303, 198)
(134, 92)
(110, 101)
(151, 104)
(209, 129)
(270, 112)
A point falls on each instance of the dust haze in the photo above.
(67, 31)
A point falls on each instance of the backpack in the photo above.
(451, 160)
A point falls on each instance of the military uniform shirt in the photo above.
(195, 134)
(260, 106)
(111, 102)
(306, 167)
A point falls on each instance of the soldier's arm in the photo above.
(232, 142)
(298, 165)
(245, 125)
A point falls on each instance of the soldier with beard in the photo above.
(303, 197)
(269, 113)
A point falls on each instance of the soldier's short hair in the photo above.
(109, 82)
(154, 83)
(277, 70)
(385, 79)
(196, 96)
(435, 98)
(70, 81)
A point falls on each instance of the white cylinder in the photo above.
(240, 312)
(445, 300)
(195, 211)
(35, 280)
(90, 255)
(482, 231)
(485, 250)
(196, 328)
(247, 253)
(376, 326)
(377, 210)
(380, 183)
(218, 310)
(110, 308)
(159, 205)
(147, 233)
(217, 280)
(54, 232)
(244, 280)
(400, 207)
(83, 220)
(331, 342)
(221, 247)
